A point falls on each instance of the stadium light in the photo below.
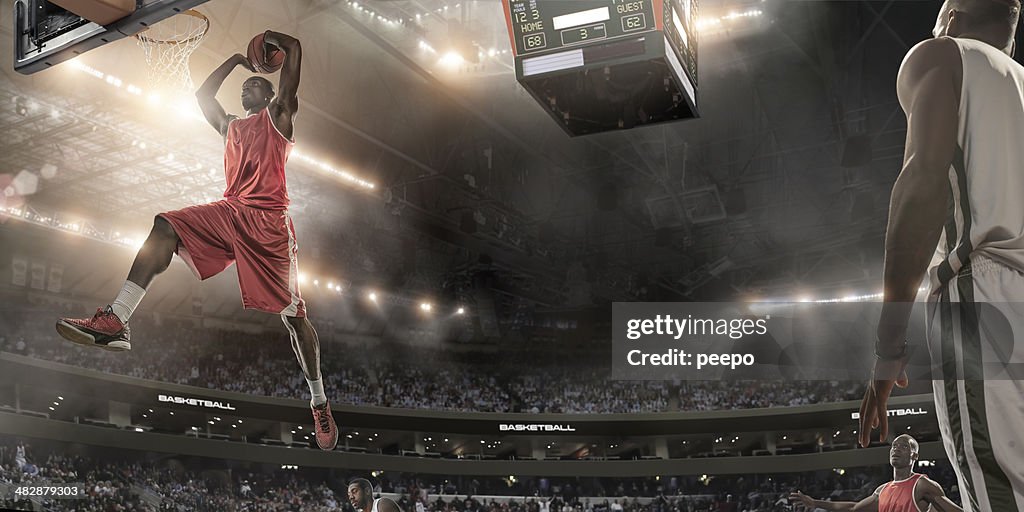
(451, 60)
(186, 107)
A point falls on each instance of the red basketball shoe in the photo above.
(324, 426)
(103, 330)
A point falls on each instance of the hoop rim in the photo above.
(190, 12)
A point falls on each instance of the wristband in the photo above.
(891, 357)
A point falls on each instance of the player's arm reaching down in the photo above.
(928, 90)
(207, 93)
(286, 104)
(869, 504)
(931, 493)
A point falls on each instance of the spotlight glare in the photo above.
(451, 59)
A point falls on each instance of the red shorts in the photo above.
(262, 242)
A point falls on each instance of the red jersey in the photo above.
(254, 156)
(899, 496)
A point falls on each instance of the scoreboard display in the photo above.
(679, 24)
(601, 65)
(543, 25)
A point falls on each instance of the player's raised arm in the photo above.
(288, 86)
(207, 93)
(931, 492)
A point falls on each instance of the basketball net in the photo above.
(168, 46)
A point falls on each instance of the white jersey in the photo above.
(987, 175)
(375, 502)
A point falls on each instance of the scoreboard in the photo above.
(539, 25)
(559, 45)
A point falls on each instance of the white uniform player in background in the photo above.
(360, 495)
(958, 204)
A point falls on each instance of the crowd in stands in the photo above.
(101, 487)
(116, 480)
(401, 376)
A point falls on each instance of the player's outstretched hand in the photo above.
(243, 61)
(801, 499)
(874, 406)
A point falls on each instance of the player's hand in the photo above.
(243, 61)
(802, 499)
(874, 406)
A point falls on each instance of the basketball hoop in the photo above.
(168, 46)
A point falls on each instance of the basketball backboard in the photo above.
(46, 34)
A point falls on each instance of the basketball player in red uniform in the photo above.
(249, 227)
(907, 492)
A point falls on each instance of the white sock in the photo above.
(126, 302)
(316, 387)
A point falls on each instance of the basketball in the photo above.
(264, 62)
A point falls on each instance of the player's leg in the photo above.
(267, 257)
(306, 345)
(200, 234)
(155, 255)
(978, 396)
(995, 392)
(108, 328)
(153, 258)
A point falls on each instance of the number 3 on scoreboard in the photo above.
(534, 42)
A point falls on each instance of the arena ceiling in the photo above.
(753, 199)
